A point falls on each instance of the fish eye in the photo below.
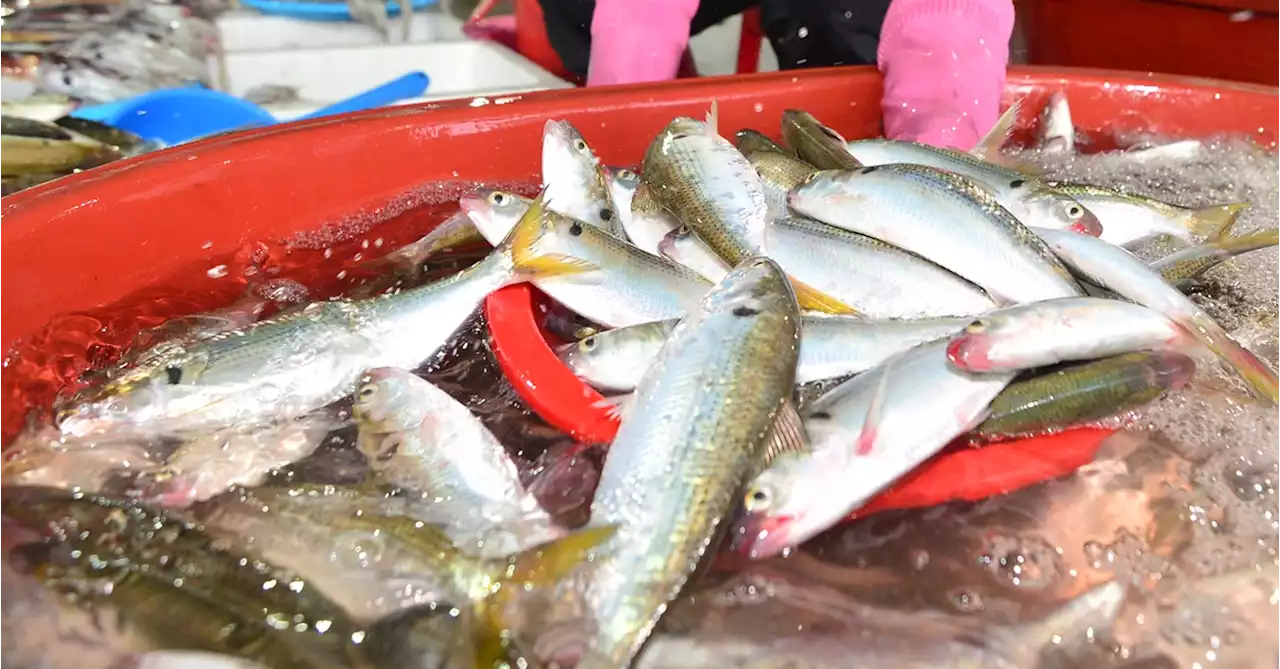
(626, 174)
(367, 391)
(758, 499)
(580, 145)
(1074, 211)
(1017, 183)
(977, 327)
(606, 215)
(588, 344)
(173, 374)
(497, 197)
(575, 228)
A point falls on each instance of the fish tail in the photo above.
(713, 117)
(988, 148)
(812, 299)
(1260, 377)
(1215, 222)
(1251, 242)
(538, 567)
(522, 243)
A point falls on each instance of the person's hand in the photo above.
(944, 65)
(635, 42)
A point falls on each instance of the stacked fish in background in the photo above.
(930, 295)
(33, 151)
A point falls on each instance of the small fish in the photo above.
(831, 347)
(32, 155)
(45, 108)
(1057, 133)
(43, 457)
(576, 185)
(914, 644)
(878, 279)
(866, 433)
(422, 440)
(1129, 218)
(815, 143)
(123, 140)
(1117, 270)
(650, 220)
(683, 247)
(286, 366)
(1183, 267)
(712, 188)
(19, 126)
(209, 464)
(454, 232)
(698, 428)
(1084, 392)
(1030, 200)
(943, 218)
(1038, 334)
(780, 173)
(625, 285)
(750, 141)
(622, 184)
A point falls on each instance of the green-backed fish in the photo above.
(944, 218)
(831, 347)
(283, 367)
(815, 143)
(1084, 392)
(749, 141)
(713, 189)
(780, 173)
(1119, 271)
(1031, 200)
(1185, 266)
(650, 220)
(575, 183)
(1128, 218)
(698, 428)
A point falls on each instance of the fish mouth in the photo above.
(471, 204)
(1089, 225)
(969, 353)
(762, 536)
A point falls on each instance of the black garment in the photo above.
(804, 33)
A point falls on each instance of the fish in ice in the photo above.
(1128, 218)
(713, 189)
(1057, 132)
(624, 285)
(1084, 392)
(865, 434)
(816, 144)
(698, 427)
(944, 218)
(831, 347)
(420, 439)
(1182, 268)
(575, 183)
(287, 366)
(878, 279)
(1037, 334)
(1119, 271)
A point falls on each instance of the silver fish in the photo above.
(1029, 199)
(945, 219)
(683, 247)
(1129, 218)
(286, 366)
(622, 184)
(878, 279)
(699, 426)
(1116, 269)
(1057, 133)
(830, 347)
(575, 183)
(650, 220)
(1183, 267)
(866, 433)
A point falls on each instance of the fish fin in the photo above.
(667, 245)
(539, 567)
(616, 407)
(989, 146)
(866, 441)
(523, 240)
(787, 434)
(1214, 223)
(1095, 609)
(1250, 242)
(1260, 377)
(713, 117)
(812, 299)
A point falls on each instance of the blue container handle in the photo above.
(411, 85)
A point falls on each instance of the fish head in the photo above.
(823, 192)
(797, 498)
(1043, 206)
(390, 400)
(756, 286)
(999, 340)
(493, 212)
(570, 169)
(159, 393)
(622, 177)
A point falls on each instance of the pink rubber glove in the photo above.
(944, 65)
(634, 41)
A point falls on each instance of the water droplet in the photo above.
(207, 245)
(803, 32)
(965, 600)
(758, 107)
(217, 271)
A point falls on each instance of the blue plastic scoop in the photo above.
(178, 115)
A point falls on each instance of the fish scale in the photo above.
(698, 427)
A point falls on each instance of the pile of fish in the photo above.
(34, 151)
(928, 295)
(102, 50)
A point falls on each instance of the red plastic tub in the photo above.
(166, 219)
